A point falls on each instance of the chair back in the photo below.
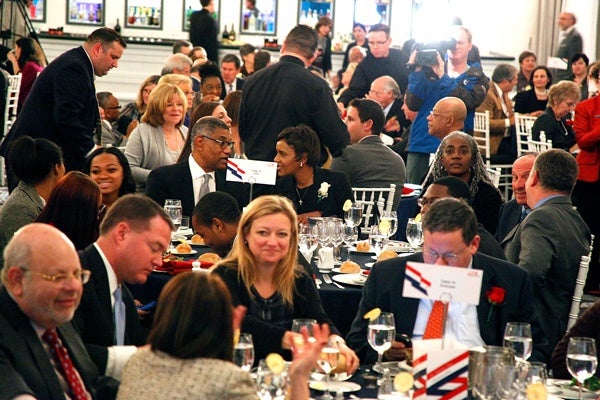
(481, 134)
(12, 101)
(375, 201)
(523, 126)
(584, 266)
(539, 146)
(494, 174)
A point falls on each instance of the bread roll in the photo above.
(197, 239)
(350, 267)
(384, 255)
(210, 257)
(183, 248)
(363, 246)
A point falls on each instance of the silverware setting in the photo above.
(328, 280)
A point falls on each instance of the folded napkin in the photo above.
(173, 267)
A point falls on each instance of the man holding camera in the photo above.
(431, 79)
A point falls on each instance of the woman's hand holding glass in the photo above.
(327, 362)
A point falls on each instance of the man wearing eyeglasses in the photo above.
(449, 239)
(448, 115)
(204, 171)
(381, 60)
(133, 236)
(114, 126)
(42, 286)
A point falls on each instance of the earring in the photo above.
(301, 164)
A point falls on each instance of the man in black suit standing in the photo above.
(42, 285)
(62, 105)
(204, 29)
(450, 238)
(133, 235)
(230, 68)
(203, 172)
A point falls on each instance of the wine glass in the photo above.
(336, 229)
(414, 233)
(297, 325)
(173, 209)
(377, 239)
(582, 359)
(307, 240)
(353, 216)
(380, 335)
(323, 238)
(330, 356)
(517, 336)
(243, 352)
(388, 222)
(350, 235)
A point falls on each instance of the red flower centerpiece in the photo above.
(495, 297)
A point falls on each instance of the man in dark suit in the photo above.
(515, 210)
(569, 44)
(211, 147)
(230, 68)
(368, 162)
(386, 92)
(450, 238)
(133, 235)
(550, 241)
(42, 285)
(62, 105)
(204, 29)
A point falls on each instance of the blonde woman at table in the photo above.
(158, 140)
(190, 350)
(262, 274)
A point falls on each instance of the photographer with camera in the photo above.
(431, 79)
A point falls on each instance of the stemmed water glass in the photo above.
(297, 325)
(414, 233)
(173, 209)
(517, 336)
(353, 216)
(350, 235)
(336, 232)
(377, 239)
(330, 356)
(582, 359)
(388, 223)
(380, 335)
(307, 240)
(243, 352)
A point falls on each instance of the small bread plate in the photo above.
(399, 247)
(565, 390)
(350, 279)
(185, 232)
(352, 249)
(337, 270)
(318, 376)
(334, 386)
(196, 244)
(369, 265)
(176, 253)
(394, 366)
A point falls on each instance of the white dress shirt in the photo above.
(197, 174)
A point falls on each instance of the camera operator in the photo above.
(432, 80)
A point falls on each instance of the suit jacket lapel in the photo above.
(487, 322)
(186, 185)
(101, 286)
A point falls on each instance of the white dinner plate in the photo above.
(333, 386)
(350, 279)
(337, 269)
(175, 253)
(563, 389)
(369, 264)
(318, 376)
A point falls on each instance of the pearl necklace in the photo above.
(178, 144)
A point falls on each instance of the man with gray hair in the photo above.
(203, 172)
(550, 241)
(177, 63)
(497, 102)
(386, 92)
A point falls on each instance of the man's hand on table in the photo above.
(396, 353)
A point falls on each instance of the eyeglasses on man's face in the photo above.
(223, 144)
(82, 275)
(449, 257)
(113, 108)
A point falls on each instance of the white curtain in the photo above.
(545, 42)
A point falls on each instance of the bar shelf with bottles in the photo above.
(311, 10)
(259, 20)
(143, 14)
(86, 12)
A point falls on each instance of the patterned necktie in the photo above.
(65, 365)
(523, 214)
(205, 187)
(119, 315)
(435, 323)
(230, 88)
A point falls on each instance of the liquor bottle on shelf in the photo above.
(131, 19)
(156, 17)
(232, 33)
(118, 27)
(225, 34)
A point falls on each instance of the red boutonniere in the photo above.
(495, 297)
(569, 122)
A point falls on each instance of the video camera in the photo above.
(427, 52)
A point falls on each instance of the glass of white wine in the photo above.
(582, 359)
(330, 356)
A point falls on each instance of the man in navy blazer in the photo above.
(62, 105)
(133, 235)
(211, 147)
(42, 285)
(449, 232)
(230, 68)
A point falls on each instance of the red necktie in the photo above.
(435, 323)
(65, 365)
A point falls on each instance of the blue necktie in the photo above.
(523, 214)
(119, 315)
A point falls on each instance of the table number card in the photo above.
(437, 282)
(251, 171)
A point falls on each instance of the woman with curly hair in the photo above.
(459, 156)
(74, 207)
